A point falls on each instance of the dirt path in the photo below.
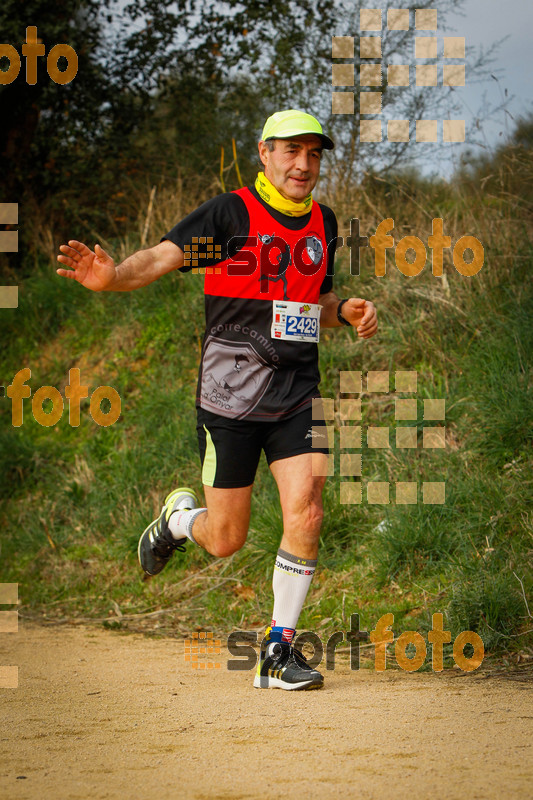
(98, 714)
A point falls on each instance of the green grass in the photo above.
(74, 500)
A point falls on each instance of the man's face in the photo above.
(294, 165)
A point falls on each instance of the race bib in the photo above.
(296, 322)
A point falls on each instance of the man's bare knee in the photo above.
(224, 540)
(223, 549)
(307, 518)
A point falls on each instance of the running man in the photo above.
(264, 305)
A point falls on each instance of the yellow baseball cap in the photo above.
(286, 124)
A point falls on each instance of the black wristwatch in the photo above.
(339, 314)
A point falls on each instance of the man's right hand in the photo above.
(95, 271)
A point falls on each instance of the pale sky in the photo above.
(485, 22)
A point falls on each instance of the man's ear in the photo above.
(262, 147)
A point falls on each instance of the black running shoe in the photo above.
(157, 544)
(283, 667)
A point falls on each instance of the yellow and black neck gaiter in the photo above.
(268, 192)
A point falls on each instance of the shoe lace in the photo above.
(286, 656)
(163, 548)
(299, 658)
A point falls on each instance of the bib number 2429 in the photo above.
(302, 325)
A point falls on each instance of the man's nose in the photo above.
(302, 161)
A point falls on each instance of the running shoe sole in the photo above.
(267, 682)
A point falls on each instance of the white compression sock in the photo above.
(181, 522)
(291, 581)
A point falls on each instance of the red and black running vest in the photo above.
(244, 373)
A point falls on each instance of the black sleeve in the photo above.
(330, 230)
(220, 218)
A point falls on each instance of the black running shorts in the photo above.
(230, 449)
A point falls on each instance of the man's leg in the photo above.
(229, 453)
(300, 493)
(301, 503)
(222, 527)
